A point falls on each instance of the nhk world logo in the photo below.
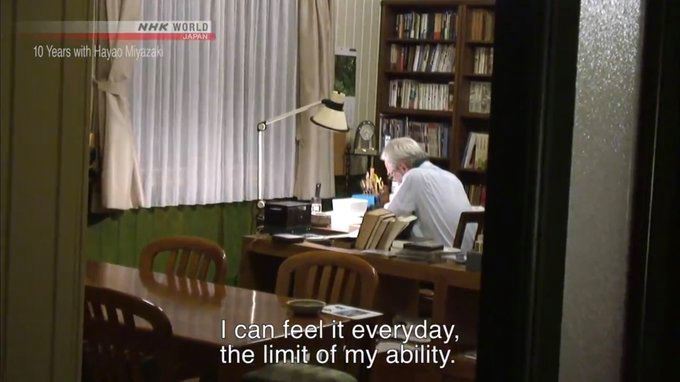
(179, 30)
(122, 30)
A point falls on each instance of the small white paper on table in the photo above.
(350, 312)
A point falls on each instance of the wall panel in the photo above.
(120, 238)
(357, 25)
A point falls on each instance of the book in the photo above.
(482, 26)
(476, 151)
(369, 225)
(287, 238)
(482, 152)
(393, 230)
(379, 231)
(467, 154)
(423, 246)
(476, 194)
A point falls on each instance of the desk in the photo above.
(456, 289)
(196, 308)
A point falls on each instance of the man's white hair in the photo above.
(403, 150)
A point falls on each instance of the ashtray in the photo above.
(305, 307)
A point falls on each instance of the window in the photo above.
(195, 108)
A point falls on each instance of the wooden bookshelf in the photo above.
(430, 114)
(419, 41)
(476, 60)
(479, 43)
(469, 37)
(434, 76)
(476, 116)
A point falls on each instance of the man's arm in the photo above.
(403, 202)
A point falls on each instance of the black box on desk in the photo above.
(287, 216)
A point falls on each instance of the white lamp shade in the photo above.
(331, 114)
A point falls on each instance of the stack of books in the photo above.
(425, 250)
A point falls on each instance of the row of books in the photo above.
(433, 137)
(476, 194)
(476, 151)
(480, 97)
(410, 94)
(483, 61)
(435, 26)
(379, 228)
(422, 58)
(481, 26)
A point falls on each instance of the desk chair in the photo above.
(330, 277)
(114, 346)
(466, 366)
(189, 256)
(468, 217)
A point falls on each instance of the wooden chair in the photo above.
(189, 257)
(468, 217)
(331, 277)
(125, 338)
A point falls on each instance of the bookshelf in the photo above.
(440, 99)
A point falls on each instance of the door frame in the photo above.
(532, 118)
(44, 188)
(651, 341)
(529, 165)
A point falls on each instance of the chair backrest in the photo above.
(328, 276)
(189, 256)
(468, 217)
(125, 338)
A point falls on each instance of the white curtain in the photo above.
(120, 178)
(195, 109)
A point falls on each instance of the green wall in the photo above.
(120, 238)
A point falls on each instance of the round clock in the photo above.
(365, 139)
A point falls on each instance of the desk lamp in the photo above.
(330, 116)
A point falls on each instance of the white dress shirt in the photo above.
(437, 198)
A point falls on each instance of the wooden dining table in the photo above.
(456, 289)
(199, 310)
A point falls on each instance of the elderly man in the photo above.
(434, 195)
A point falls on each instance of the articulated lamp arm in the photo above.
(329, 116)
(261, 127)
